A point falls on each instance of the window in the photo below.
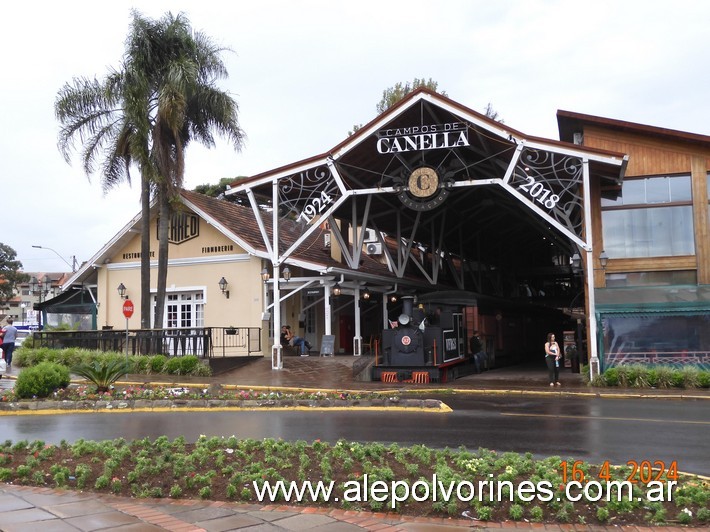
(652, 217)
(184, 309)
(671, 278)
(656, 338)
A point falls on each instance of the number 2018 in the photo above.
(539, 193)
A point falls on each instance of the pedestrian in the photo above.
(552, 359)
(9, 334)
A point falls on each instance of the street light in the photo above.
(40, 287)
(72, 265)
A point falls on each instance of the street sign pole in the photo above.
(127, 312)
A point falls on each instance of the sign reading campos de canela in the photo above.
(424, 137)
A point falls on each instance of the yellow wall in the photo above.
(195, 264)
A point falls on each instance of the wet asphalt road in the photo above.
(593, 429)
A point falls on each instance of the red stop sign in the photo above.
(128, 308)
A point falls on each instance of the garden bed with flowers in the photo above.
(86, 398)
(449, 482)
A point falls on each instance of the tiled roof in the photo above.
(240, 221)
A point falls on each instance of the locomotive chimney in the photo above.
(407, 305)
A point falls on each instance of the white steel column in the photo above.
(327, 311)
(276, 354)
(357, 339)
(592, 310)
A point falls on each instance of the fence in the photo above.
(205, 342)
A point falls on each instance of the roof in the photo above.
(570, 123)
(363, 183)
(239, 224)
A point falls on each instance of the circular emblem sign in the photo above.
(424, 190)
(128, 308)
(423, 182)
(406, 340)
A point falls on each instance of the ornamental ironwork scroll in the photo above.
(552, 182)
(307, 195)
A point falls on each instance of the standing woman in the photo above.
(552, 359)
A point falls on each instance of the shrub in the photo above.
(652, 377)
(41, 380)
(611, 377)
(665, 376)
(157, 363)
(103, 373)
(141, 363)
(188, 364)
(691, 376)
(704, 379)
(173, 366)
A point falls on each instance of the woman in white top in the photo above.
(552, 359)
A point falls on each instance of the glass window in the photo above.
(675, 339)
(681, 188)
(633, 192)
(657, 190)
(656, 230)
(668, 278)
(184, 310)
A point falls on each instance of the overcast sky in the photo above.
(304, 72)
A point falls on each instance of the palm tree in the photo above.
(146, 114)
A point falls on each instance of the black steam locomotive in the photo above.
(429, 342)
(422, 346)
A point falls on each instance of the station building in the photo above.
(603, 233)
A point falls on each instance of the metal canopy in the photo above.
(458, 199)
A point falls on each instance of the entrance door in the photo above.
(346, 332)
(183, 311)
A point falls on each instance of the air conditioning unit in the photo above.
(374, 248)
(370, 236)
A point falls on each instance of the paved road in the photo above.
(593, 429)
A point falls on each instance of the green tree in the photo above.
(392, 95)
(10, 274)
(215, 191)
(146, 113)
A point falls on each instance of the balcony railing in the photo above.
(205, 342)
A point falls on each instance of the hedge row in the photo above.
(651, 376)
(142, 364)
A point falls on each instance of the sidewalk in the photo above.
(25, 509)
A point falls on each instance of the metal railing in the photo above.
(204, 342)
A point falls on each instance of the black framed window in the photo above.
(651, 217)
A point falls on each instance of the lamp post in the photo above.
(41, 288)
(72, 265)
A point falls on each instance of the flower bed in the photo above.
(230, 469)
(83, 397)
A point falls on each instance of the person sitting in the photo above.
(296, 341)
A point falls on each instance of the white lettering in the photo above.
(421, 142)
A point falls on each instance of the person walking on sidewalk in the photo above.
(552, 359)
(9, 335)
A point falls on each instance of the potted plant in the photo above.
(231, 330)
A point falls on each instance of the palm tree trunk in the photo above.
(163, 223)
(145, 252)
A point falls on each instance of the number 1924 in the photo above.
(316, 206)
